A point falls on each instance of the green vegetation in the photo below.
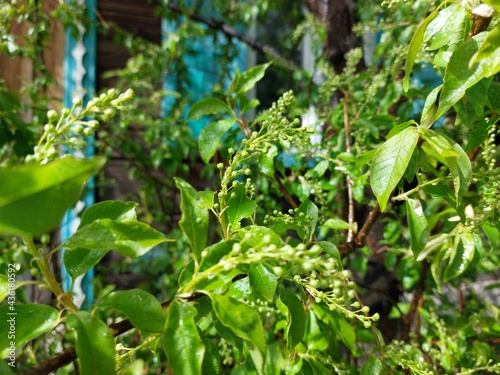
(336, 248)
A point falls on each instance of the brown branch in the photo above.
(416, 302)
(285, 192)
(233, 33)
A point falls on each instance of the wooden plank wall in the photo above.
(17, 72)
(137, 17)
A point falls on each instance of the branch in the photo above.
(350, 199)
(233, 33)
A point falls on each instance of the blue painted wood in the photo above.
(71, 219)
(203, 70)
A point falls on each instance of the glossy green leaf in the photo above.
(444, 30)
(115, 210)
(211, 136)
(263, 281)
(194, 220)
(258, 237)
(95, 346)
(238, 207)
(455, 158)
(129, 238)
(336, 224)
(243, 321)
(489, 46)
(418, 226)
(79, 261)
(374, 366)
(331, 250)
(215, 253)
(137, 304)
(459, 76)
(296, 317)
(51, 189)
(400, 127)
(211, 359)
(227, 334)
(21, 323)
(478, 134)
(430, 108)
(181, 341)
(415, 44)
(390, 162)
(438, 264)
(477, 95)
(248, 79)
(207, 106)
(461, 258)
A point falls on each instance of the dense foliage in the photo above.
(348, 246)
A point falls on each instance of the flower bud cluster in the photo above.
(70, 127)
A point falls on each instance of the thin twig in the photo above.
(416, 302)
(285, 192)
(349, 181)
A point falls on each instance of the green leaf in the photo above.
(243, 321)
(477, 95)
(418, 226)
(489, 46)
(296, 318)
(374, 366)
(400, 127)
(455, 158)
(415, 44)
(248, 79)
(137, 304)
(210, 137)
(21, 323)
(4, 287)
(194, 220)
(478, 134)
(459, 76)
(215, 253)
(95, 346)
(429, 112)
(211, 359)
(336, 224)
(227, 334)
(444, 30)
(115, 210)
(238, 207)
(28, 191)
(331, 250)
(129, 238)
(181, 341)
(461, 258)
(263, 281)
(390, 162)
(207, 106)
(79, 261)
(258, 237)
